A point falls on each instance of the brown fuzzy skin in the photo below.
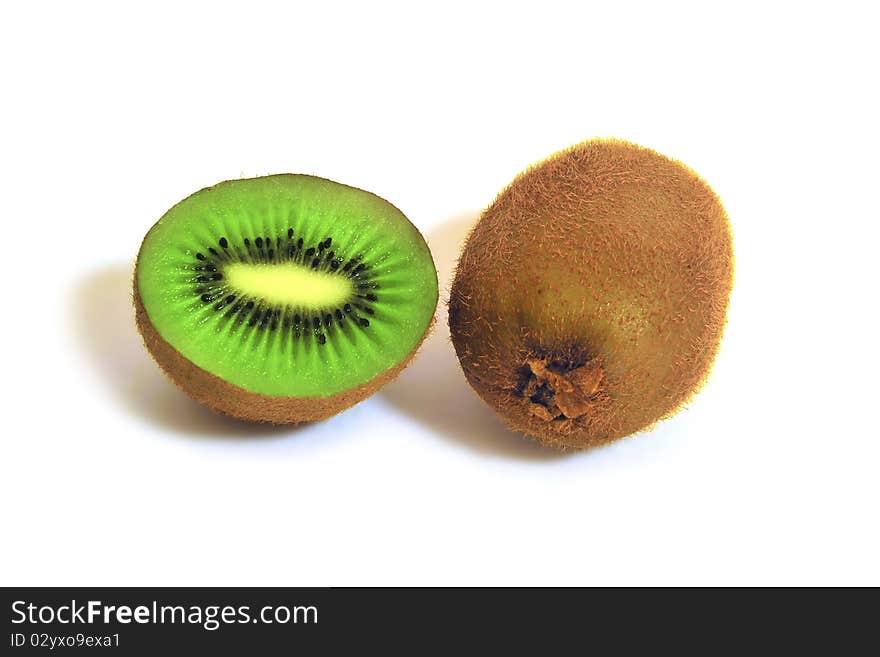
(233, 400)
(591, 297)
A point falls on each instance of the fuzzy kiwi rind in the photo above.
(591, 297)
(402, 314)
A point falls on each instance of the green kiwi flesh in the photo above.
(591, 297)
(284, 298)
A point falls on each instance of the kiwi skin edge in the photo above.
(237, 402)
(590, 298)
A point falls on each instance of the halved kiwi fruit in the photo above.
(590, 298)
(285, 298)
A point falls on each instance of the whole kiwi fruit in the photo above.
(285, 298)
(590, 298)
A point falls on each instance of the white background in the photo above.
(110, 115)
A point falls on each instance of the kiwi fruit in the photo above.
(284, 298)
(590, 298)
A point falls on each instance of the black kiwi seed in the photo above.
(218, 294)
